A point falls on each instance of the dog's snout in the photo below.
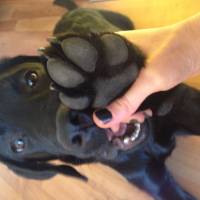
(77, 132)
(80, 138)
(77, 140)
(81, 123)
(80, 119)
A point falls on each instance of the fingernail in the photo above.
(104, 115)
(148, 114)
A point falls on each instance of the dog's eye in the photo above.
(31, 78)
(18, 145)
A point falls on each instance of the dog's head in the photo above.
(36, 125)
(40, 121)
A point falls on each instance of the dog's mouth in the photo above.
(128, 136)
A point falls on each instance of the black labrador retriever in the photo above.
(47, 102)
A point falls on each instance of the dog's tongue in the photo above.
(122, 130)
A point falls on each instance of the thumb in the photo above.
(122, 109)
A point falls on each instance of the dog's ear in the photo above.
(31, 173)
(186, 111)
(181, 104)
(162, 103)
(40, 169)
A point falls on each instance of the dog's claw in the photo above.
(96, 65)
(41, 50)
(52, 87)
(52, 39)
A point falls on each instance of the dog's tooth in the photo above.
(137, 127)
(126, 140)
(137, 131)
(133, 138)
(135, 134)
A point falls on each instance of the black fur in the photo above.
(49, 130)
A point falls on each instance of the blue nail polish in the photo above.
(104, 115)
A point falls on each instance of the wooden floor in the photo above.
(35, 20)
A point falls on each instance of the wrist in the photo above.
(189, 34)
(147, 39)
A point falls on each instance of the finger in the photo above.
(124, 107)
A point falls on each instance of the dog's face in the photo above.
(88, 77)
(47, 104)
(28, 108)
(36, 122)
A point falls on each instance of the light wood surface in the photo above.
(35, 19)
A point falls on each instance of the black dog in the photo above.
(85, 72)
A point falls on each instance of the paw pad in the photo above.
(116, 50)
(92, 69)
(63, 74)
(80, 52)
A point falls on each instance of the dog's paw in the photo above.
(92, 70)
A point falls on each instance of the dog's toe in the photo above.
(81, 52)
(63, 74)
(115, 48)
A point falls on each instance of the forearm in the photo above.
(172, 52)
(190, 35)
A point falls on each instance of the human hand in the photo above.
(172, 57)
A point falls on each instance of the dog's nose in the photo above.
(80, 119)
(81, 123)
